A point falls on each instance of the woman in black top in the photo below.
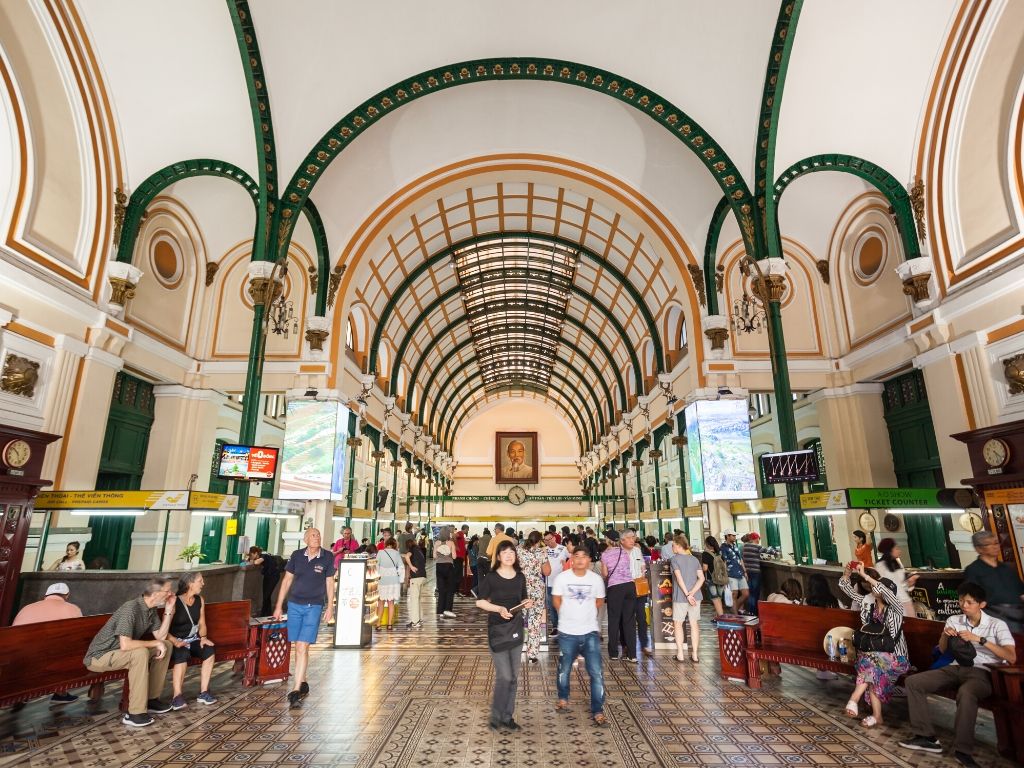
(187, 634)
(416, 567)
(500, 590)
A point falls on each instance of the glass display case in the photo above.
(356, 603)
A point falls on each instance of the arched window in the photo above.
(681, 337)
(383, 359)
(648, 359)
(350, 334)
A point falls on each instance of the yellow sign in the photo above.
(231, 527)
(695, 511)
(759, 506)
(112, 500)
(262, 506)
(824, 500)
(361, 514)
(1001, 496)
(218, 502)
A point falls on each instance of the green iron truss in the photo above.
(711, 254)
(343, 133)
(874, 174)
(156, 182)
(323, 255)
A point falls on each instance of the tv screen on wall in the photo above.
(247, 462)
(720, 457)
(314, 464)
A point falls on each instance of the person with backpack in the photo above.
(716, 574)
(738, 584)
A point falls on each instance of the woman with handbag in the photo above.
(881, 647)
(617, 573)
(391, 568)
(503, 595)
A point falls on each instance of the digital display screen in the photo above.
(790, 467)
(247, 462)
(718, 450)
(314, 463)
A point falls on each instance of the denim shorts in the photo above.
(303, 622)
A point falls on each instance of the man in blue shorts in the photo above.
(308, 579)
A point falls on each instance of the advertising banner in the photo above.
(720, 457)
(313, 464)
(112, 500)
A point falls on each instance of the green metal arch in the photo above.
(451, 429)
(434, 421)
(454, 291)
(343, 133)
(469, 341)
(157, 182)
(768, 125)
(323, 255)
(597, 427)
(875, 175)
(446, 253)
(710, 254)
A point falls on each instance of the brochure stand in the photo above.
(356, 604)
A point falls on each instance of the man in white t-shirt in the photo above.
(578, 593)
(557, 555)
(992, 643)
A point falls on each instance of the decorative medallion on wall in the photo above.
(1013, 372)
(891, 523)
(869, 256)
(166, 263)
(20, 376)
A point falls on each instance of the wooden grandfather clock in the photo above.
(21, 462)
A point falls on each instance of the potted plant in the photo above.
(190, 553)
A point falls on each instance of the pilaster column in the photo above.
(67, 359)
(948, 401)
(87, 421)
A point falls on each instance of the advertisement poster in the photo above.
(262, 463)
(663, 631)
(313, 461)
(348, 624)
(720, 457)
(234, 461)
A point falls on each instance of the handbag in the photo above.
(962, 651)
(643, 586)
(506, 634)
(873, 637)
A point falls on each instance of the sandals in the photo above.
(600, 719)
(851, 709)
(870, 722)
(561, 705)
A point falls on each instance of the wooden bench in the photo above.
(40, 659)
(793, 634)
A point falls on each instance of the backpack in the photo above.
(720, 571)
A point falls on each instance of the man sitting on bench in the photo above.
(992, 643)
(118, 646)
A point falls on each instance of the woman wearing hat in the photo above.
(890, 567)
(880, 665)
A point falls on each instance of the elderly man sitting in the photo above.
(1002, 585)
(55, 606)
(119, 645)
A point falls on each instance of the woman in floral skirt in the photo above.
(877, 670)
(534, 561)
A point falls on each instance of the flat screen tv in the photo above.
(247, 462)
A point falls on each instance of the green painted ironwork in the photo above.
(443, 333)
(767, 234)
(343, 133)
(446, 254)
(887, 184)
(156, 182)
(711, 254)
(323, 255)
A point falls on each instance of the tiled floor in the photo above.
(421, 699)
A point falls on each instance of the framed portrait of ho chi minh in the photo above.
(515, 457)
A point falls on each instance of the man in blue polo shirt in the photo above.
(308, 579)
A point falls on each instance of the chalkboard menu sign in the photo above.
(939, 595)
(662, 629)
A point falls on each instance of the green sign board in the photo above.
(550, 499)
(910, 498)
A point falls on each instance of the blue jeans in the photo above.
(549, 604)
(588, 646)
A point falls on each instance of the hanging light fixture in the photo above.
(282, 317)
(748, 315)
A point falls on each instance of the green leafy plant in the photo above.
(190, 553)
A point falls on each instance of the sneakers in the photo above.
(157, 707)
(923, 744)
(294, 697)
(137, 721)
(63, 698)
(304, 689)
(178, 702)
(206, 698)
(964, 759)
(448, 614)
(512, 725)
(418, 625)
(630, 659)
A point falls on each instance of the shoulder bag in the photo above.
(873, 637)
(643, 586)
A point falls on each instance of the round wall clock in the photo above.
(891, 523)
(996, 452)
(516, 495)
(16, 454)
(867, 522)
(970, 522)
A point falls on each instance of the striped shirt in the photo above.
(892, 618)
(752, 557)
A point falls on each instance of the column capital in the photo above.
(104, 358)
(852, 390)
(71, 345)
(188, 393)
(934, 355)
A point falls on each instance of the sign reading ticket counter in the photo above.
(356, 604)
